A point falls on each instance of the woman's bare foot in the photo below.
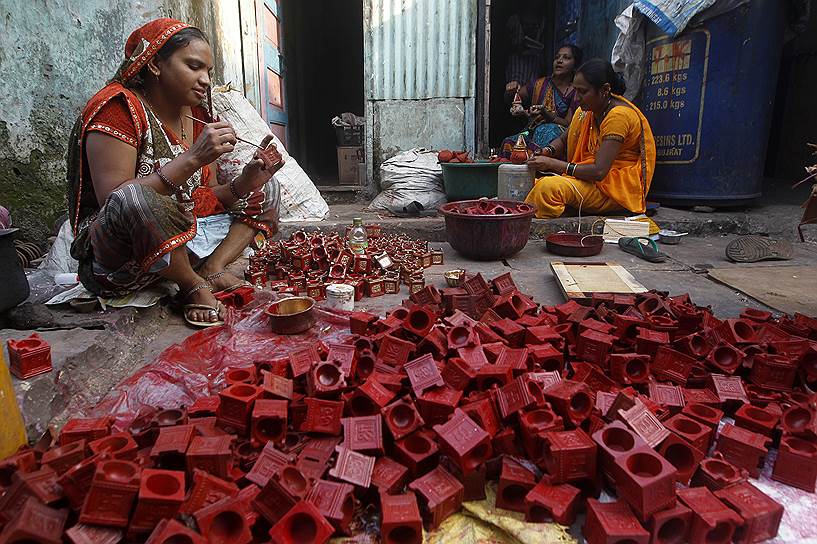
(220, 279)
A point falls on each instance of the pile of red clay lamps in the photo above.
(308, 263)
(489, 207)
(413, 413)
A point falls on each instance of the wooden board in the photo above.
(581, 280)
(786, 288)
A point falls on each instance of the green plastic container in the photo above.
(469, 181)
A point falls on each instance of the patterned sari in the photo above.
(122, 245)
(539, 132)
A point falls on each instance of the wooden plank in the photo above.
(628, 278)
(581, 280)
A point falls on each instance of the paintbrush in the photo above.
(237, 138)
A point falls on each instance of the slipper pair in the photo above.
(751, 249)
(643, 247)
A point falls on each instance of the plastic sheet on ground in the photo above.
(195, 368)
(480, 522)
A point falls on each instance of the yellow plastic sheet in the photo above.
(12, 428)
(479, 522)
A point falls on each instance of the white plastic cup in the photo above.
(340, 296)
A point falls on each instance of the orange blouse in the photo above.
(114, 119)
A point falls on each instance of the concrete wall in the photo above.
(435, 123)
(56, 54)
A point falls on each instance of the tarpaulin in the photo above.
(195, 368)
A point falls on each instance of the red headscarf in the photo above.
(144, 43)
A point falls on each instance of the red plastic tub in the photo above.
(487, 237)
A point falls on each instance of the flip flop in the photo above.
(648, 252)
(186, 308)
(751, 249)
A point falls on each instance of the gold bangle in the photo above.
(166, 181)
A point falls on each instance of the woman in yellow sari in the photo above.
(609, 147)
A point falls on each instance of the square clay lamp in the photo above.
(401, 521)
(35, 522)
(335, 501)
(118, 446)
(206, 489)
(646, 481)
(303, 523)
(515, 481)
(323, 416)
(416, 451)
(225, 521)
(388, 475)
(364, 434)
(612, 522)
(464, 441)
(353, 467)
(796, 463)
(301, 360)
(694, 432)
(570, 456)
(557, 502)
(110, 499)
(161, 494)
(423, 374)
(440, 493)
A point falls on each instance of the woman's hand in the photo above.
(215, 140)
(512, 87)
(258, 171)
(546, 164)
(517, 110)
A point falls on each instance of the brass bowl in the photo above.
(291, 315)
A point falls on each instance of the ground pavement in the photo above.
(91, 353)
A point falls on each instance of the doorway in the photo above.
(323, 63)
(500, 123)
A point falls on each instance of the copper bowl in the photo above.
(291, 315)
(574, 245)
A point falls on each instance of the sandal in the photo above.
(209, 279)
(751, 249)
(648, 252)
(188, 307)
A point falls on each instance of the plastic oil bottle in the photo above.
(358, 239)
(514, 181)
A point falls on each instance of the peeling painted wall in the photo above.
(54, 55)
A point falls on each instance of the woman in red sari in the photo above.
(143, 198)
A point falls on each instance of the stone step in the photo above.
(775, 220)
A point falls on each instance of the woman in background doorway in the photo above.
(551, 102)
(609, 151)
